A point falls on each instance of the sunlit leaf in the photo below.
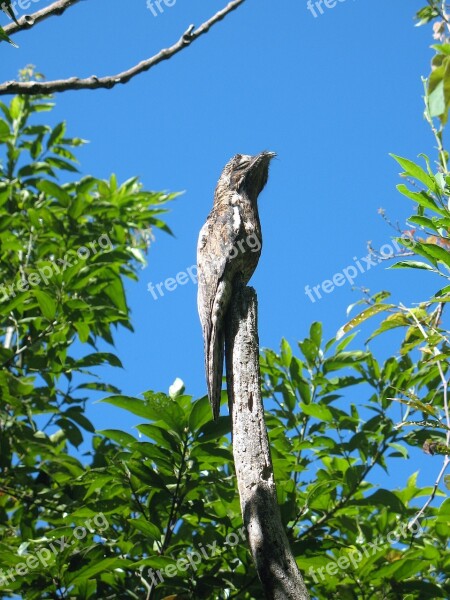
(363, 316)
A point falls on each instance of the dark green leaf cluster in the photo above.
(64, 252)
(429, 13)
(326, 452)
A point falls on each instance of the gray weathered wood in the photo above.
(275, 563)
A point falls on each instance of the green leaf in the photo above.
(309, 350)
(421, 198)
(401, 450)
(417, 404)
(436, 97)
(46, 303)
(391, 322)
(318, 411)
(343, 359)
(4, 37)
(416, 171)
(43, 107)
(73, 434)
(315, 333)
(384, 498)
(120, 437)
(162, 408)
(55, 191)
(82, 330)
(401, 569)
(363, 316)
(214, 430)
(425, 15)
(344, 343)
(412, 264)
(152, 533)
(423, 222)
(200, 414)
(116, 293)
(134, 405)
(4, 130)
(107, 564)
(161, 436)
(286, 353)
(99, 358)
(146, 475)
(76, 414)
(156, 562)
(56, 135)
(62, 164)
(437, 252)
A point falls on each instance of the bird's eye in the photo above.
(243, 163)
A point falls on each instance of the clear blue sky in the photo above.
(332, 95)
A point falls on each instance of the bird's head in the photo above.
(246, 174)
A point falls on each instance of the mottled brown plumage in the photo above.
(227, 253)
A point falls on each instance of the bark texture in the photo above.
(275, 563)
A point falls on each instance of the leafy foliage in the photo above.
(64, 250)
(438, 87)
(157, 515)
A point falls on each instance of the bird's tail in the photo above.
(214, 370)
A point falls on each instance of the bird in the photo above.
(228, 251)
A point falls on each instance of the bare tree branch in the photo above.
(28, 21)
(269, 545)
(108, 82)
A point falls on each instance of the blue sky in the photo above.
(332, 95)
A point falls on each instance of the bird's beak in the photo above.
(267, 155)
(262, 157)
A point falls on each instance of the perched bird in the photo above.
(229, 247)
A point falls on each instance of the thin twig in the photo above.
(324, 518)
(147, 586)
(176, 503)
(28, 21)
(8, 337)
(447, 417)
(176, 499)
(43, 333)
(440, 11)
(110, 81)
(433, 494)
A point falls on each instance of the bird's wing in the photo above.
(215, 245)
